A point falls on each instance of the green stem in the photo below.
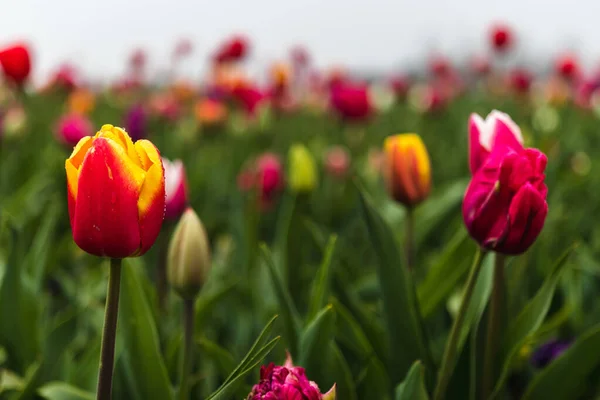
(109, 332)
(162, 288)
(449, 357)
(493, 326)
(409, 238)
(188, 348)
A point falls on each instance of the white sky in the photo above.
(374, 34)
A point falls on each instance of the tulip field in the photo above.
(309, 236)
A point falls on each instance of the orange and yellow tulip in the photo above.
(116, 194)
(407, 170)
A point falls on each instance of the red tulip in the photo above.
(505, 207)
(501, 37)
(16, 63)
(250, 97)
(176, 189)
(567, 66)
(72, 128)
(266, 176)
(440, 66)
(520, 80)
(400, 85)
(116, 194)
(498, 129)
(234, 49)
(351, 101)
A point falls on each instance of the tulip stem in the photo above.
(188, 332)
(450, 352)
(409, 238)
(494, 325)
(109, 332)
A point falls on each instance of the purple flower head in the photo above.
(287, 382)
(135, 122)
(547, 352)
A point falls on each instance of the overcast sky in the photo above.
(374, 34)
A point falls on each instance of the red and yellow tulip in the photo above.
(407, 170)
(116, 194)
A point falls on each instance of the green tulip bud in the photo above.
(188, 260)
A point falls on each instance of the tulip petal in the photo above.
(106, 213)
(506, 132)
(119, 136)
(527, 214)
(151, 204)
(477, 153)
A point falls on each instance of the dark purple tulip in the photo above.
(547, 352)
(135, 122)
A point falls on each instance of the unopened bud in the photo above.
(189, 256)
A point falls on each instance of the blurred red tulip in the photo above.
(300, 56)
(71, 128)
(183, 48)
(249, 96)
(234, 49)
(440, 66)
(266, 176)
(351, 101)
(501, 38)
(65, 77)
(520, 80)
(400, 85)
(480, 65)
(567, 66)
(16, 63)
(138, 59)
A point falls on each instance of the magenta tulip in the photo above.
(505, 206)
(175, 188)
(498, 129)
(72, 128)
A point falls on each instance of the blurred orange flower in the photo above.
(210, 112)
(81, 101)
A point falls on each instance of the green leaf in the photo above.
(255, 349)
(350, 334)
(21, 306)
(432, 213)
(524, 328)
(534, 312)
(566, 376)
(413, 387)
(445, 274)
(218, 354)
(63, 391)
(141, 351)
(207, 300)
(227, 390)
(287, 309)
(315, 342)
(479, 299)
(341, 375)
(401, 312)
(321, 285)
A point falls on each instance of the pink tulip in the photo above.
(498, 129)
(176, 189)
(73, 127)
(266, 176)
(505, 207)
(351, 101)
(287, 382)
(337, 162)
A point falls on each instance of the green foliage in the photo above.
(329, 264)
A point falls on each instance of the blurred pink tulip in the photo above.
(71, 128)
(176, 189)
